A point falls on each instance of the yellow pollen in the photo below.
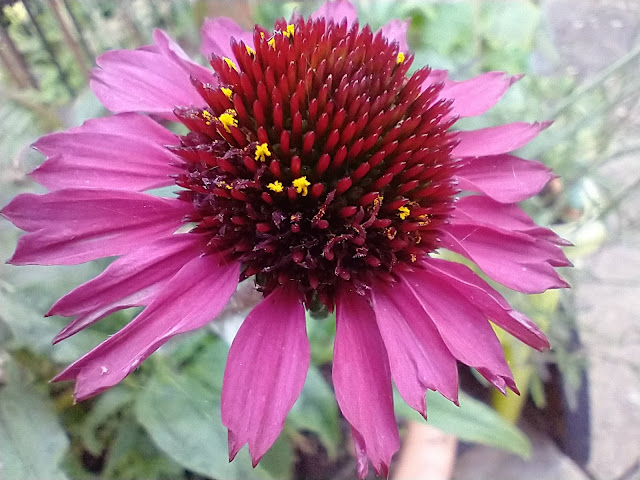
(275, 186)
(400, 58)
(302, 185)
(250, 50)
(404, 212)
(378, 201)
(261, 34)
(289, 31)
(228, 119)
(227, 92)
(272, 43)
(207, 117)
(262, 151)
(391, 233)
(413, 258)
(230, 63)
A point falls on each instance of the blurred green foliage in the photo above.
(163, 421)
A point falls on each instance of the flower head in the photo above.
(318, 167)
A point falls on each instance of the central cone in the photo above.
(318, 159)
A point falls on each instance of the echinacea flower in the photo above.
(317, 167)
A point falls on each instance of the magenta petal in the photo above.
(515, 260)
(477, 95)
(481, 210)
(265, 372)
(191, 299)
(396, 31)
(464, 329)
(216, 36)
(435, 76)
(170, 49)
(488, 300)
(126, 154)
(142, 81)
(337, 11)
(505, 178)
(362, 381)
(74, 226)
(132, 280)
(418, 357)
(496, 140)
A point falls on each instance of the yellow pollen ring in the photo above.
(250, 50)
(207, 117)
(262, 151)
(230, 63)
(290, 30)
(275, 186)
(400, 58)
(227, 92)
(403, 212)
(301, 184)
(272, 42)
(228, 119)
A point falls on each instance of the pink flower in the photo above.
(318, 167)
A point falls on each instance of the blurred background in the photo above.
(578, 417)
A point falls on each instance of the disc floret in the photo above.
(319, 159)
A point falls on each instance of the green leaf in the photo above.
(107, 406)
(33, 442)
(132, 456)
(507, 24)
(182, 416)
(449, 31)
(317, 411)
(472, 422)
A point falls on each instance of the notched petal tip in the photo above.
(234, 445)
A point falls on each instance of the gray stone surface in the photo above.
(546, 463)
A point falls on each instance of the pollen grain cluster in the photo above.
(318, 158)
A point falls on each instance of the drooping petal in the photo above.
(505, 178)
(191, 299)
(127, 125)
(488, 300)
(515, 260)
(142, 81)
(337, 11)
(216, 36)
(132, 280)
(464, 329)
(265, 372)
(170, 49)
(396, 31)
(418, 357)
(477, 95)
(362, 381)
(482, 210)
(73, 226)
(496, 140)
(127, 154)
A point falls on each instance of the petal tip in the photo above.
(515, 78)
(234, 445)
